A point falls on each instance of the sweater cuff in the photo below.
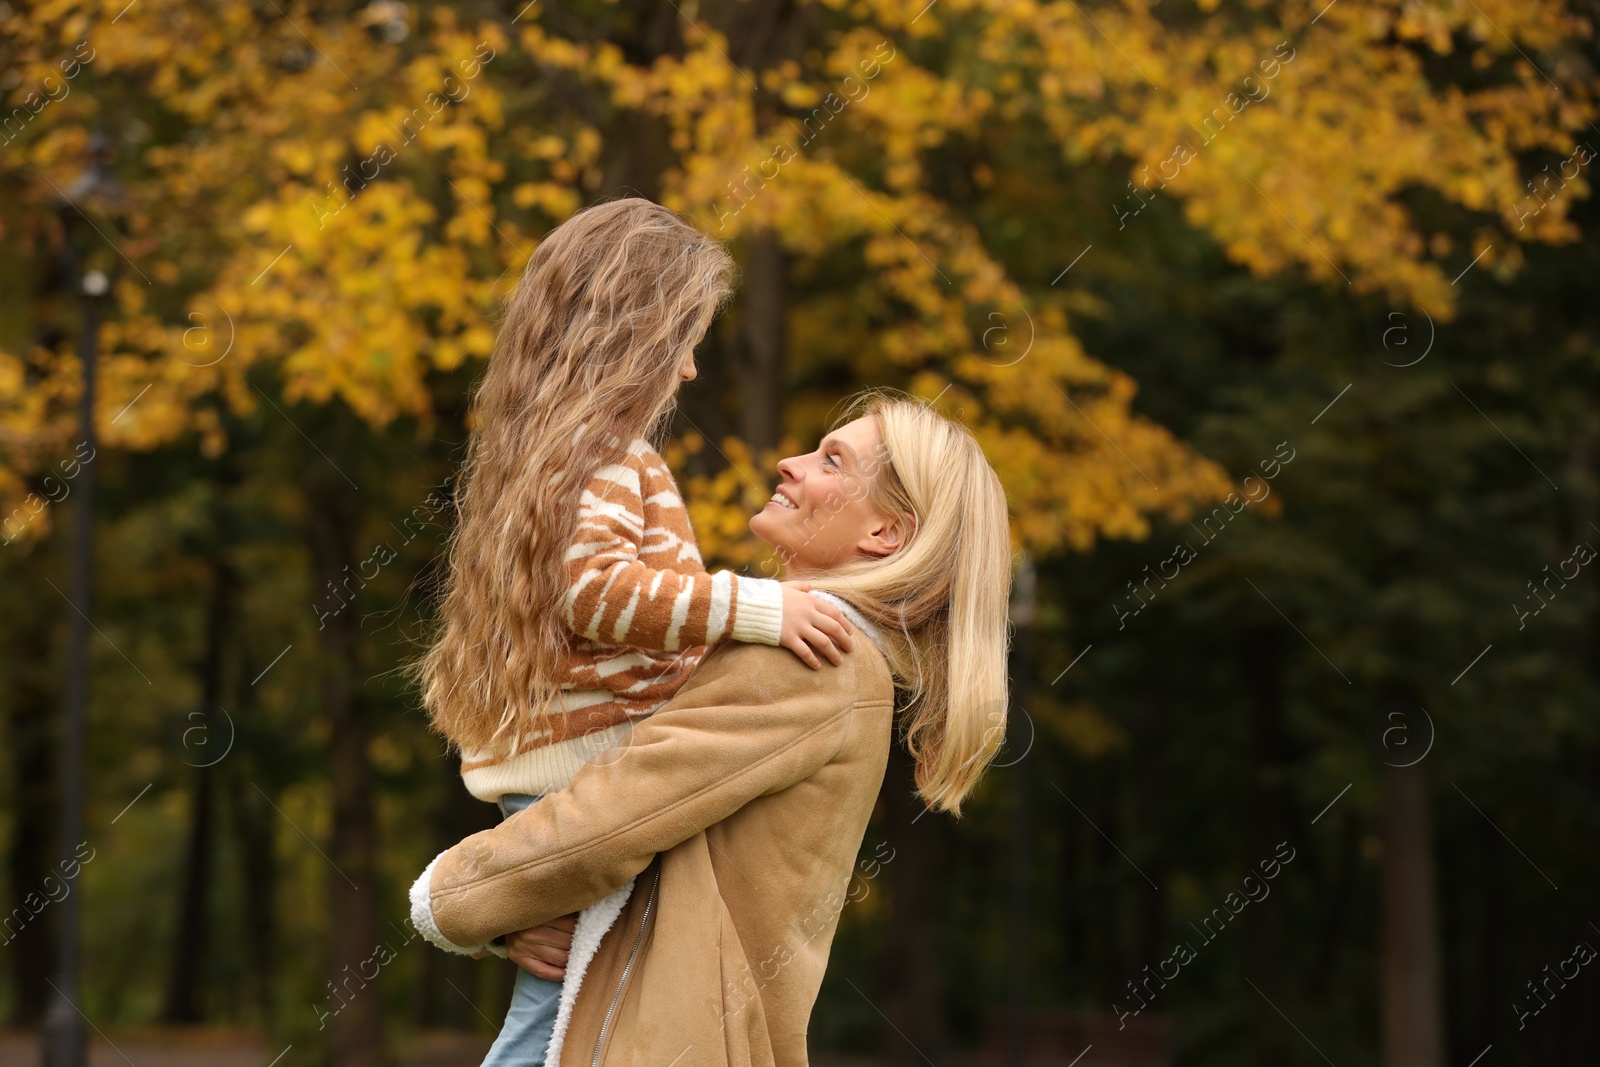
(758, 611)
(422, 916)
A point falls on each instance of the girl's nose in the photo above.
(789, 469)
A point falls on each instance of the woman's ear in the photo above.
(886, 535)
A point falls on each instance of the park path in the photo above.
(233, 1048)
(225, 1048)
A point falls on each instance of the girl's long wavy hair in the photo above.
(587, 360)
(941, 598)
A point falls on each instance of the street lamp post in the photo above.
(65, 1041)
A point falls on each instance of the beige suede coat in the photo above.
(736, 813)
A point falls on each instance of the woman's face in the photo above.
(822, 515)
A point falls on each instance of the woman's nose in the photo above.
(789, 468)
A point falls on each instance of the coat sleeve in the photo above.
(691, 764)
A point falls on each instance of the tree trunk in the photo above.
(1152, 775)
(255, 824)
(638, 149)
(1339, 895)
(764, 337)
(637, 144)
(1019, 743)
(190, 937)
(915, 1027)
(1413, 1011)
(253, 819)
(1261, 657)
(1096, 804)
(1586, 1045)
(352, 885)
(763, 36)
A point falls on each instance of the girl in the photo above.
(577, 600)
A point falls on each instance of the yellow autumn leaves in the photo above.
(342, 198)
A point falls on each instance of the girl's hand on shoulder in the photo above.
(542, 950)
(811, 626)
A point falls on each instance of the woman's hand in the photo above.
(809, 623)
(542, 950)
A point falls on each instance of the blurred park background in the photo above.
(1303, 466)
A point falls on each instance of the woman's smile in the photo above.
(822, 514)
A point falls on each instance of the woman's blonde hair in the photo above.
(941, 597)
(587, 360)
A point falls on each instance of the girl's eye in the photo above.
(828, 459)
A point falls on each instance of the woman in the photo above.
(719, 840)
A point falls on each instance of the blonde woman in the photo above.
(577, 601)
(712, 851)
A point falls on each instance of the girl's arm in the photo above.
(614, 598)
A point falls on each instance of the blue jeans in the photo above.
(532, 1017)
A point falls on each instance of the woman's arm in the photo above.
(693, 763)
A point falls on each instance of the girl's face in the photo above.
(822, 515)
(686, 367)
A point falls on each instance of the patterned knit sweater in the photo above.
(641, 608)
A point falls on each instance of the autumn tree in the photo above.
(324, 206)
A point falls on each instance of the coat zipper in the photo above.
(616, 998)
